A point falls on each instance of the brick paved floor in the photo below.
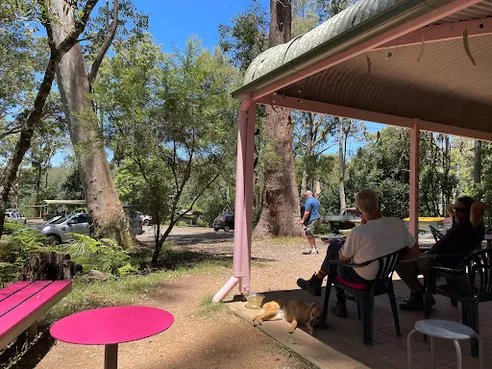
(340, 345)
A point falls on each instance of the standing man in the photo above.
(310, 219)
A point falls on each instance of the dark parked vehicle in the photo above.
(225, 222)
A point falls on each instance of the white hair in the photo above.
(308, 192)
(367, 200)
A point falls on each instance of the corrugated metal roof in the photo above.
(336, 25)
(444, 86)
(478, 11)
(342, 23)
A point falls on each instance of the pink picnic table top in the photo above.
(113, 325)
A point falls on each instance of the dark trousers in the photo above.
(409, 271)
(347, 273)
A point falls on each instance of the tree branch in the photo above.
(79, 27)
(24, 143)
(180, 216)
(10, 131)
(327, 148)
(107, 43)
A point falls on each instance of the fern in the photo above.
(104, 255)
(15, 250)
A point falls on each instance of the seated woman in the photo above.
(466, 234)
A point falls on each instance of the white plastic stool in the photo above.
(447, 330)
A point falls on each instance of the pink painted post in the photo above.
(414, 178)
(240, 256)
(244, 286)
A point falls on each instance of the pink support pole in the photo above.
(240, 259)
(244, 286)
(413, 226)
(224, 291)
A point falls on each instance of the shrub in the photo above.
(15, 249)
(323, 229)
(202, 223)
(104, 255)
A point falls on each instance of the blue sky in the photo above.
(173, 22)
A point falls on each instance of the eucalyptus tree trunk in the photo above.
(103, 204)
(311, 137)
(280, 214)
(8, 174)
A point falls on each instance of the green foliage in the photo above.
(246, 37)
(170, 123)
(323, 229)
(104, 255)
(15, 249)
(71, 188)
(383, 165)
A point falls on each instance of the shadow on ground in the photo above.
(339, 345)
(172, 258)
(37, 350)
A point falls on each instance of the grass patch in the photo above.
(124, 291)
(206, 308)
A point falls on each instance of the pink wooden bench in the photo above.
(22, 304)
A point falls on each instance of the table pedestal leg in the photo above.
(111, 356)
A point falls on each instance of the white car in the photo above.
(58, 228)
(146, 219)
(15, 216)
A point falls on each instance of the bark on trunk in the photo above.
(50, 266)
(311, 137)
(280, 214)
(280, 204)
(103, 204)
(341, 166)
(8, 174)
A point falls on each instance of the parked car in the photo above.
(146, 219)
(15, 216)
(135, 219)
(225, 222)
(59, 227)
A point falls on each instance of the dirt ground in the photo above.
(203, 336)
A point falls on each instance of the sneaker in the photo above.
(314, 252)
(313, 286)
(340, 310)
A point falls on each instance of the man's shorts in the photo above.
(311, 227)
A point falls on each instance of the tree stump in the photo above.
(44, 266)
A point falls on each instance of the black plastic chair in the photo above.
(364, 295)
(435, 233)
(470, 283)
